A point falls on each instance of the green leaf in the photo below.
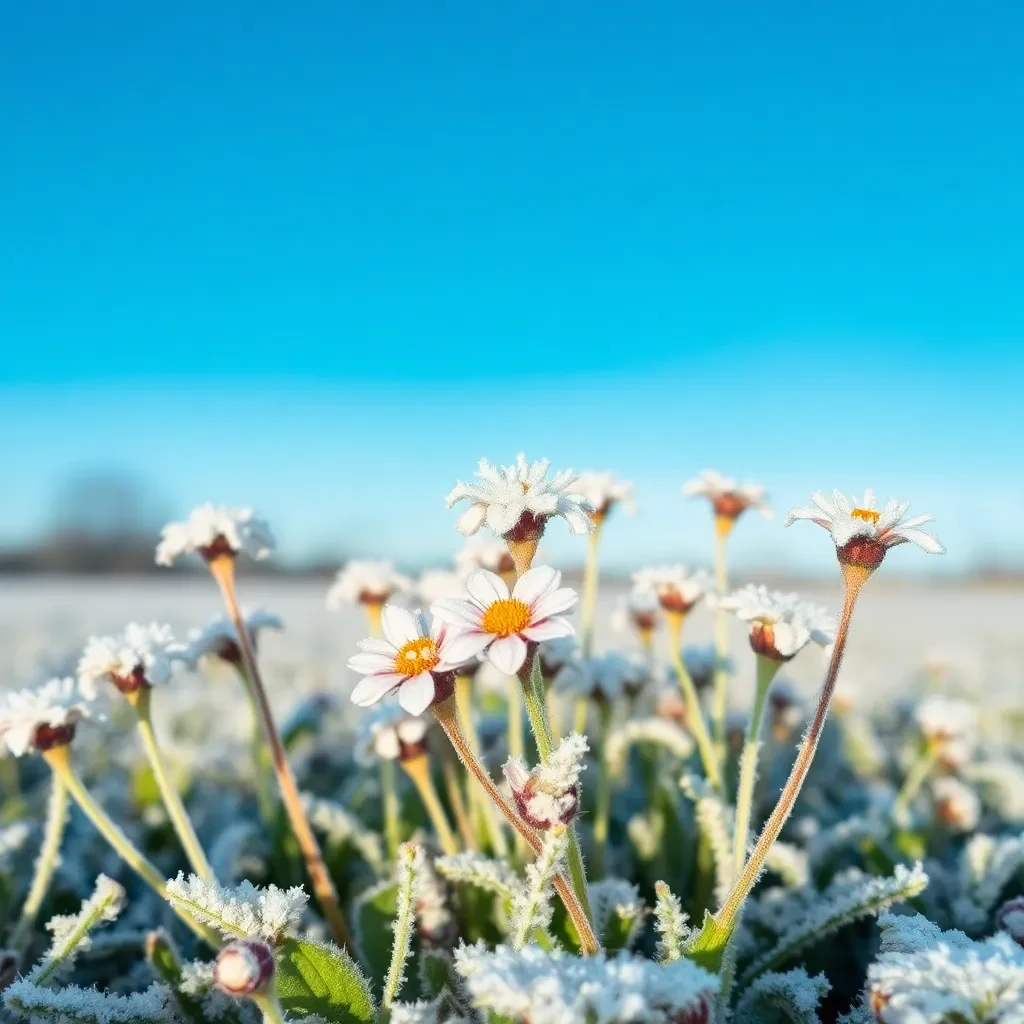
(375, 913)
(318, 978)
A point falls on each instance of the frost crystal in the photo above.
(141, 655)
(243, 912)
(549, 793)
(73, 1004)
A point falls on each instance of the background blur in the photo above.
(320, 258)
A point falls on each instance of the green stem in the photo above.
(919, 771)
(141, 701)
(603, 802)
(418, 769)
(588, 604)
(694, 714)
(59, 761)
(46, 863)
(263, 762)
(389, 792)
(478, 800)
(719, 702)
(270, 1008)
(13, 805)
(766, 670)
(533, 688)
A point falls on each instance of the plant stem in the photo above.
(719, 702)
(919, 771)
(579, 715)
(141, 701)
(445, 714)
(854, 577)
(766, 670)
(464, 707)
(223, 570)
(533, 684)
(59, 760)
(588, 605)
(418, 769)
(603, 802)
(13, 806)
(262, 761)
(694, 714)
(389, 797)
(46, 863)
(270, 1008)
(455, 798)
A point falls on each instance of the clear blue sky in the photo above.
(319, 258)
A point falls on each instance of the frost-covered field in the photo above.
(547, 799)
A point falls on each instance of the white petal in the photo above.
(917, 521)
(501, 518)
(920, 537)
(417, 694)
(579, 522)
(462, 647)
(366, 664)
(385, 743)
(535, 583)
(486, 587)
(508, 654)
(457, 612)
(370, 690)
(555, 603)
(472, 519)
(788, 639)
(549, 629)
(400, 625)
(374, 646)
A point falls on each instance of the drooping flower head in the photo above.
(729, 498)
(605, 677)
(366, 582)
(517, 501)
(502, 624)
(780, 624)
(215, 532)
(639, 611)
(219, 638)
(411, 658)
(389, 732)
(485, 553)
(676, 588)
(549, 794)
(862, 534)
(39, 719)
(142, 656)
(604, 492)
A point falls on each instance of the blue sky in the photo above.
(320, 258)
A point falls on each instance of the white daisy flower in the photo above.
(517, 501)
(780, 624)
(484, 553)
(956, 806)
(437, 584)
(140, 656)
(638, 611)
(862, 534)
(605, 677)
(944, 720)
(363, 581)
(214, 531)
(549, 794)
(390, 733)
(219, 638)
(410, 659)
(728, 497)
(501, 624)
(604, 492)
(41, 718)
(676, 588)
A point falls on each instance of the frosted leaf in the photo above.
(72, 1005)
(790, 998)
(485, 873)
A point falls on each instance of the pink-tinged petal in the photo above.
(366, 664)
(460, 648)
(472, 519)
(549, 629)
(374, 646)
(417, 694)
(555, 603)
(370, 690)
(486, 587)
(507, 654)
(400, 626)
(535, 583)
(438, 630)
(457, 612)
(919, 537)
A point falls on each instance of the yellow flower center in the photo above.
(503, 618)
(869, 515)
(416, 656)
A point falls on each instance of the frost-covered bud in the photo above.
(550, 793)
(1010, 919)
(956, 806)
(244, 967)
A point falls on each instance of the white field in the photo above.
(899, 624)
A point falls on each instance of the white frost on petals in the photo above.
(365, 581)
(712, 485)
(503, 495)
(385, 731)
(219, 636)
(604, 491)
(848, 517)
(55, 703)
(151, 649)
(673, 584)
(943, 719)
(238, 527)
(549, 793)
(794, 622)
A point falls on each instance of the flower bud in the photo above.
(244, 967)
(1010, 919)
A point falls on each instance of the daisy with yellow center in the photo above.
(409, 659)
(501, 624)
(863, 533)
